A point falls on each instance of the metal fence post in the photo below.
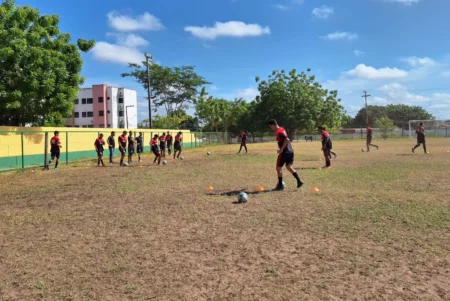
(23, 157)
(67, 148)
(46, 151)
(210, 138)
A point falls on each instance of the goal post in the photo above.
(433, 128)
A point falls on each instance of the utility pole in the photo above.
(149, 57)
(365, 102)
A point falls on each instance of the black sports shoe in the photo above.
(300, 184)
(279, 188)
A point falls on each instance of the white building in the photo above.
(102, 106)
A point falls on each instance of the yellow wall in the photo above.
(79, 139)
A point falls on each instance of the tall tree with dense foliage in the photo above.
(296, 101)
(39, 67)
(386, 126)
(171, 88)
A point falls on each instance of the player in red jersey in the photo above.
(326, 146)
(169, 141)
(285, 155)
(99, 142)
(139, 145)
(155, 149)
(178, 145)
(369, 132)
(243, 142)
(162, 144)
(420, 131)
(55, 149)
(331, 143)
(122, 146)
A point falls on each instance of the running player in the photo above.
(243, 142)
(285, 155)
(55, 150)
(369, 132)
(139, 145)
(331, 143)
(162, 144)
(122, 146)
(169, 141)
(155, 149)
(326, 147)
(99, 142)
(420, 131)
(130, 147)
(177, 146)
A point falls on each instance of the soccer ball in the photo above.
(181, 158)
(164, 162)
(362, 149)
(242, 198)
(208, 153)
(284, 184)
(125, 164)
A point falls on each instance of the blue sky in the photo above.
(397, 50)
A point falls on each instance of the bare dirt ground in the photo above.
(378, 229)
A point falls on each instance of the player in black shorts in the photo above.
(285, 155)
(169, 141)
(122, 146)
(139, 145)
(177, 146)
(55, 150)
(162, 144)
(130, 147)
(155, 149)
(99, 142)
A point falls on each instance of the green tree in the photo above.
(400, 114)
(386, 126)
(172, 88)
(347, 121)
(39, 67)
(296, 101)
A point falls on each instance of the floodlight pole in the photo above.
(149, 57)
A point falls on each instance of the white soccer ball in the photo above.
(242, 198)
(181, 158)
(125, 164)
(164, 162)
(208, 153)
(362, 149)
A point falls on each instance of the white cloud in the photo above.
(363, 71)
(357, 52)
(228, 29)
(213, 88)
(126, 23)
(400, 94)
(280, 7)
(247, 94)
(129, 40)
(405, 2)
(323, 12)
(379, 101)
(106, 52)
(415, 61)
(339, 35)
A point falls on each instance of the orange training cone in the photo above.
(319, 168)
(140, 166)
(260, 188)
(315, 189)
(210, 187)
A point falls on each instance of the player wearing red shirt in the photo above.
(55, 150)
(177, 146)
(162, 144)
(420, 131)
(326, 146)
(169, 140)
(122, 146)
(285, 155)
(243, 142)
(369, 132)
(155, 149)
(99, 142)
(331, 144)
(131, 141)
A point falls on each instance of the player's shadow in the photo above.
(235, 193)
(305, 168)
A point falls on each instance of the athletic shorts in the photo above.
(139, 149)
(122, 150)
(369, 139)
(420, 139)
(130, 150)
(155, 151)
(177, 147)
(55, 153)
(244, 142)
(326, 151)
(162, 146)
(285, 158)
(100, 153)
(169, 144)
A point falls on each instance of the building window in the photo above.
(76, 114)
(120, 99)
(83, 101)
(85, 126)
(90, 114)
(108, 98)
(109, 125)
(100, 99)
(109, 112)
(75, 101)
(101, 126)
(83, 114)
(101, 113)
(120, 113)
(90, 126)
(89, 101)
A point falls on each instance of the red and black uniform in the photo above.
(420, 131)
(169, 140)
(139, 144)
(243, 138)
(122, 144)
(326, 146)
(55, 150)
(130, 145)
(162, 142)
(178, 143)
(99, 142)
(287, 156)
(369, 135)
(154, 146)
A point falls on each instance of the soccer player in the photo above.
(326, 147)
(122, 146)
(369, 132)
(139, 145)
(177, 146)
(331, 143)
(169, 141)
(99, 142)
(285, 155)
(111, 146)
(243, 142)
(130, 147)
(420, 131)
(155, 149)
(162, 144)
(55, 150)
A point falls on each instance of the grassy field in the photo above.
(378, 229)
